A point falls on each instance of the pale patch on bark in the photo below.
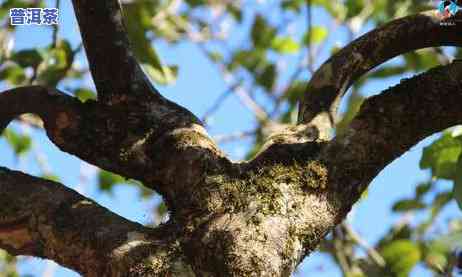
(134, 239)
(136, 150)
(82, 203)
(195, 135)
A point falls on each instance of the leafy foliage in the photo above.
(19, 143)
(139, 22)
(444, 158)
(401, 256)
(108, 180)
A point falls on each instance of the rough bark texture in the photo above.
(328, 85)
(256, 218)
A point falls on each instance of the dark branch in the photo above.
(334, 77)
(164, 147)
(45, 219)
(389, 124)
(48, 103)
(116, 72)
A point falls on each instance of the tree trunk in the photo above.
(255, 218)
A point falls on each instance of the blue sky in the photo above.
(198, 85)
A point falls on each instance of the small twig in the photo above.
(371, 252)
(250, 103)
(242, 94)
(220, 100)
(338, 247)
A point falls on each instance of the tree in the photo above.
(254, 218)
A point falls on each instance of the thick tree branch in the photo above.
(116, 72)
(150, 138)
(333, 175)
(334, 77)
(390, 123)
(48, 103)
(166, 149)
(45, 219)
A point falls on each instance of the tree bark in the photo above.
(255, 218)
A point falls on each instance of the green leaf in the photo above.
(84, 94)
(396, 232)
(457, 189)
(406, 205)
(440, 251)
(235, 11)
(162, 209)
(442, 156)
(440, 200)
(6, 5)
(295, 92)
(401, 256)
(268, 77)
(195, 3)
(252, 60)
(354, 7)
(138, 21)
(56, 62)
(27, 57)
(294, 5)
(262, 33)
(421, 59)
(436, 255)
(164, 76)
(285, 45)
(107, 180)
(317, 35)
(173, 27)
(13, 73)
(422, 189)
(215, 56)
(50, 177)
(388, 71)
(20, 143)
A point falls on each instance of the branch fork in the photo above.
(254, 218)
